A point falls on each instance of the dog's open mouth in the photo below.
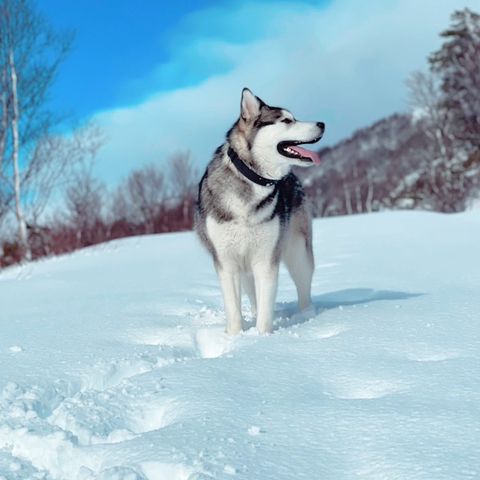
(291, 149)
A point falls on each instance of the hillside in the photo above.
(363, 172)
(114, 364)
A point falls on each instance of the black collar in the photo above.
(248, 172)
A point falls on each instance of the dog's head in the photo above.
(272, 136)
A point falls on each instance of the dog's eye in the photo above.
(287, 120)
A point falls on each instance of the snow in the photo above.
(114, 364)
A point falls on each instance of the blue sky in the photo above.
(119, 44)
(159, 77)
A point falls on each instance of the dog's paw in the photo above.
(233, 330)
(308, 312)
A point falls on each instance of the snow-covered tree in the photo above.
(446, 108)
(457, 64)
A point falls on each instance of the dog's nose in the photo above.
(321, 125)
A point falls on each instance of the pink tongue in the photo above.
(313, 156)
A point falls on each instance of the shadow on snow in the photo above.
(286, 314)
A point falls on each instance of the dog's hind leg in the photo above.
(248, 284)
(298, 258)
(231, 289)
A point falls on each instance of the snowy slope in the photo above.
(114, 365)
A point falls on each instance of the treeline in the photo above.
(151, 200)
(50, 200)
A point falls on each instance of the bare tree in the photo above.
(370, 193)
(30, 53)
(15, 119)
(52, 163)
(446, 174)
(347, 195)
(183, 183)
(85, 200)
(145, 191)
(427, 111)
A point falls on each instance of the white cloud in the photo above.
(344, 64)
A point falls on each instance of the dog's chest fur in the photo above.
(242, 220)
(250, 232)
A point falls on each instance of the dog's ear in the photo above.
(250, 105)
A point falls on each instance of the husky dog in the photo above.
(252, 212)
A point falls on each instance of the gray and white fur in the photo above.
(249, 228)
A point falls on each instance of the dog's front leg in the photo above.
(230, 283)
(266, 279)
